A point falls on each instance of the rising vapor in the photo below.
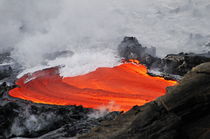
(91, 30)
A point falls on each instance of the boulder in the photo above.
(130, 48)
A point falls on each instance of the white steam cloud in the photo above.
(92, 29)
(104, 110)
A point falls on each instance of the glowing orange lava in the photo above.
(127, 85)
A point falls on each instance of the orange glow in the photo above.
(127, 85)
(134, 61)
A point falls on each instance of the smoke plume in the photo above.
(91, 30)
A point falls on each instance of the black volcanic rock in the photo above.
(184, 112)
(130, 48)
(5, 57)
(5, 71)
(78, 127)
(9, 68)
(178, 64)
(24, 119)
(181, 63)
(20, 118)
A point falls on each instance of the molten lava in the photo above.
(127, 85)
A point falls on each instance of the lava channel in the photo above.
(127, 85)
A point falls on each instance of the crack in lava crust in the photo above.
(127, 85)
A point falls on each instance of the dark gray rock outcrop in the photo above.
(181, 63)
(130, 48)
(178, 64)
(184, 112)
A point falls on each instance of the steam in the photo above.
(30, 123)
(104, 110)
(92, 29)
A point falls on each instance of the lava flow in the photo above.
(127, 85)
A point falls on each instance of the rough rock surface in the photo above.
(9, 68)
(5, 69)
(5, 57)
(178, 64)
(130, 48)
(184, 112)
(182, 63)
(19, 118)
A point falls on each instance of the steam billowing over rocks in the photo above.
(182, 113)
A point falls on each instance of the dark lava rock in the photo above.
(178, 64)
(184, 112)
(181, 63)
(130, 48)
(5, 71)
(20, 118)
(5, 57)
(9, 68)
(3, 88)
(24, 119)
(78, 127)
